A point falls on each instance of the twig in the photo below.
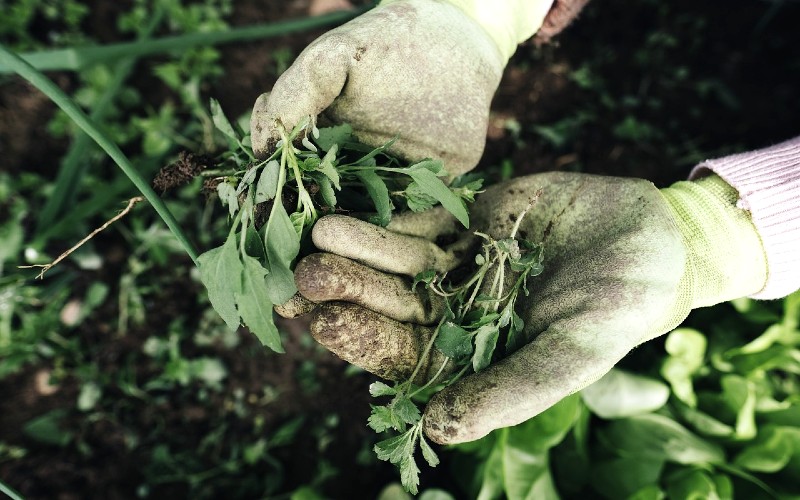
(46, 267)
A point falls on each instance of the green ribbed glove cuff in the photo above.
(725, 256)
(508, 22)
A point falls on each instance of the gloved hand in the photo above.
(624, 263)
(423, 71)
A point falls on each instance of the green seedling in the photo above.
(274, 202)
(478, 313)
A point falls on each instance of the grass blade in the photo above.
(46, 86)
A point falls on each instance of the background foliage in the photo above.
(118, 381)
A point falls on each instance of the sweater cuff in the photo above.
(768, 182)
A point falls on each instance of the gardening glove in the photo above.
(421, 71)
(624, 263)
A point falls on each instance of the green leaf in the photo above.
(426, 277)
(379, 194)
(48, 429)
(283, 245)
(453, 341)
(325, 189)
(405, 409)
(624, 477)
(686, 348)
(409, 474)
(221, 121)
(433, 186)
(485, 343)
(221, 273)
(228, 197)
(255, 307)
(377, 389)
(771, 451)
(247, 179)
(427, 452)
(395, 448)
(740, 395)
(327, 168)
(383, 418)
(660, 438)
(621, 394)
(691, 484)
(416, 199)
(331, 136)
(268, 182)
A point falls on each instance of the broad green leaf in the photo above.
(691, 484)
(221, 121)
(268, 182)
(283, 245)
(330, 136)
(526, 474)
(255, 307)
(379, 194)
(547, 429)
(771, 451)
(433, 186)
(325, 189)
(453, 341)
(417, 200)
(625, 477)
(221, 273)
(435, 494)
(702, 422)
(658, 437)
(247, 179)
(621, 394)
(492, 485)
(649, 492)
(395, 448)
(48, 429)
(485, 343)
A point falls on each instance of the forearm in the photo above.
(768, 182)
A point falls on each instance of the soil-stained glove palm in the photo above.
(624, 263)
(422, 71)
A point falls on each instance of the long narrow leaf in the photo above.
(76, 58)
(46, 86)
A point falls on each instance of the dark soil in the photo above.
(704, 78)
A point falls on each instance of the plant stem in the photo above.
(46, 86)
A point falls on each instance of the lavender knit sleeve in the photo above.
(768, 181)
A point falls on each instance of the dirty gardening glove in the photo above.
(423, 71)
(624, 263)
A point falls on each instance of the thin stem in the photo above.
(426, 352)
(46, 86)
(432, 379)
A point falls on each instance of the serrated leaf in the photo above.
(379, 194)
(409, 474)
(221, 273)
(433, 186)
(228, 197)
(393, 449)
(221, 122)
(427, 452)
(283, 245)
(426, 277)
(405, 409)
(383, 418)
(254, 306)
(485, 343)
(268, 182)
(454, 341)
(377, 389)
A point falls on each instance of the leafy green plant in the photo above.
(477, 313)
(252, 270)
(717, 417)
